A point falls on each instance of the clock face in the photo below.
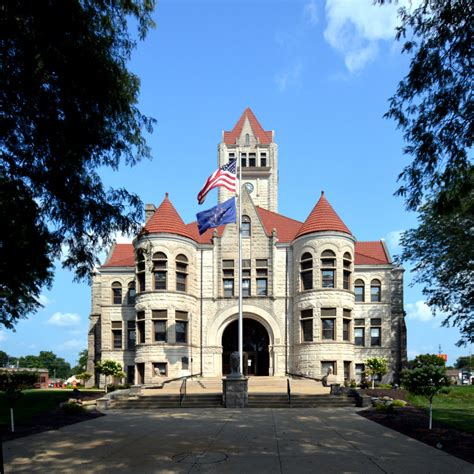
(249, 187)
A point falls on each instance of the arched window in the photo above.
(375, 291)
(247, 139)
(181, 272)
(140, 270)
(347, 264)
(328, 269)
(131, 293)
(306, 271)
(116, 292)
(359, 289)
(245, 229)
(160, 263)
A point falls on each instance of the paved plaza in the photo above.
(228, 441)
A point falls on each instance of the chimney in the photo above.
(149, 211)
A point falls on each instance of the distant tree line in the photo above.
(57, 366)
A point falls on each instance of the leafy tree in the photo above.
(84, 377)
(376, 366)
(3, 359)
(427, 378)
(81, 363)
(47, 360)
(12, 383)
(109, 368)
(68, 108)
(464, 362)
(433, 107)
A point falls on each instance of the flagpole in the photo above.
(241, 354)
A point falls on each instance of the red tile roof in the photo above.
(166, 220)
(286, 228)
(323, 217)
(263, 136)
(370, 253)
(122, 256)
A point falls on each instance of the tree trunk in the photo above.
(431, 414)
(373, 383)
(12, 420)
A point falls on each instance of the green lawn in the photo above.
(455, 409)
(32, 403)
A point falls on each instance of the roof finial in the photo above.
(322, 193)
(166, 195)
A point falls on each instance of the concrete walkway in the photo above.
(228, 441)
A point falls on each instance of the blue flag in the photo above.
(215, 216)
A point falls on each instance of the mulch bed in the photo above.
(413, 422)
(395, 393)
(53, 420)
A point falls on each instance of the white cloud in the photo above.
(64, 319)
(419, 311)
(355, 27)
(289, 78)
(311, 12)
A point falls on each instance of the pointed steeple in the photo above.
(322, 218)
(166, 220)
(263, 136)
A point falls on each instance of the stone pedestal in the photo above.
(236, 393)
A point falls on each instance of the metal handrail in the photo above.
(182, 391)
(303, 376)
(181, 378)
(288, 390)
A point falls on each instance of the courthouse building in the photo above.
(314, 297)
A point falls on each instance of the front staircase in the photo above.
(264, 392)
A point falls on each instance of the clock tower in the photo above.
(257, 153)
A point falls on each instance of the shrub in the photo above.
(399, 403)
(383, 385)
(385, 408)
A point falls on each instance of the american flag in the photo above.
(223, 176)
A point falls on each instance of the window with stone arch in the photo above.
(328, 269)
(246, 226)
(116, 292)
(140, 256)
(131, 293)
(359, 290)
(375, 291)
(306, 271)
(160, 274)
(347, 271)
(181, 272)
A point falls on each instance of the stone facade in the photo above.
(302, 283)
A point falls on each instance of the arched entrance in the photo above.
(255, 345)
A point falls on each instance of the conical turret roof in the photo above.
(322, 218)
(166, 220)
(263, 136)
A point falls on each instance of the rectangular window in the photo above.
(181, 281)
(346, 329)
(307, 325)
(117, 335)
(160, 280)
(346, 280)
(327, 278)
(141, 327)
(184, 363)
(307, 279)
(263, 159)
(243, 159)
(359, 370)
(252, 160)
(328, 329)
(141, 281)
(262, 287)
(245, 282)
(262, 277)
(328, 367)
(160, 368)
(228, 278)
(375, 321)
(228, 287)
(359, 294)
(328, 312)
(159, 330)
(359, 336)
(131, 334)
(375, 337)
(181, 326)
(117, 295)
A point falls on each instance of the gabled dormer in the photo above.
(257, 153)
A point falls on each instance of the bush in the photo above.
(383, 385)
(399, 403)
(385, 408)
(111, 387)
(72, 409)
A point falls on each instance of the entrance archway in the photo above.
(255, 345)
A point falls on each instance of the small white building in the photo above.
(314, 297)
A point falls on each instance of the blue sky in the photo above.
(320, 74)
